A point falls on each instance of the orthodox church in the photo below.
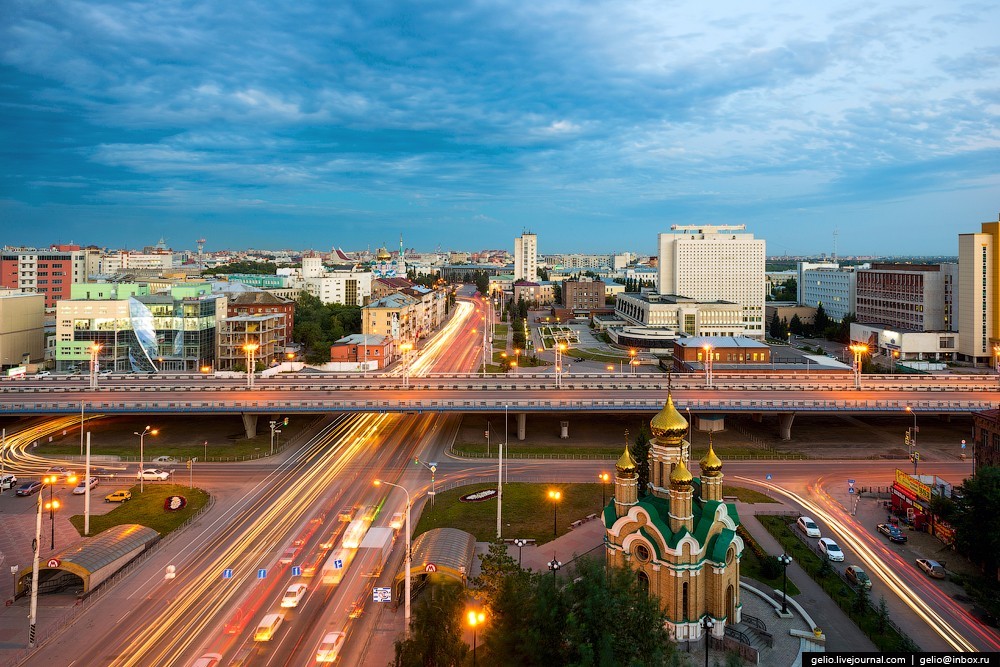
(679, 537)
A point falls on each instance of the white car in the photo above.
(81, 488)
(7, 481)
(153, 474)
(330, 647)
(164, 459)
(829, 548)
(42, 374)
(292, 596)
(808, 526)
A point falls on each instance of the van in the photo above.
(268, 626)
(208, 660)
(330, 647)
(292, 596)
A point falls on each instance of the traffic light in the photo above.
(286, 421)
(916, 456)
(907, 438)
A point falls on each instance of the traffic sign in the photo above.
(431, 567)
(338, 564)
(261, 573)
(767, 476)
(963, 444)
(53, 562)
(380, 594)
(851, 490)
(227, 573)
(296, 571)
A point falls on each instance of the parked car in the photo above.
(119, 496)
(829, 548)
(28, 488)
(931, 568)
(808, 526)
(892, 532)
(856, 576)
(81, 488)
(7, 481)
(152, 474)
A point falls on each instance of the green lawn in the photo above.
(499, 331)
(146, 508)
(527, 511)
(746, 495)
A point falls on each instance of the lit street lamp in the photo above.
(475, 618)
(520, 544)
(707, 624)
(708, 365)
(405, 349)
(406, 603)
(554, 496)
(605, 478)
(785, 560)
(251, 350)
(94, 349)
(51, 506)
(151, 431)
(553, 566)
(858, 349)
(631, 362)
(560, 349)
(913, 433)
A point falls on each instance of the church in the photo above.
(679, 537)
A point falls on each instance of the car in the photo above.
(57, 471)
(829, 548)
(42, 374)
(808, 526)
(7, 481)
(288, 555)
(119, 496)
(931, 568)
(857, 577)
(208, 660)
(28, 488)
(82, 487)
(152, 474)
(892, 532)
(293, 595)
(330, 647)
(105, 374)
(164, 459)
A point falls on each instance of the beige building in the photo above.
(979, 287)
(22, 336)
(396, 316)
(679, 537)
(266, 331)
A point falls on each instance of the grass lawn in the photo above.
(751, 566)
(146, 509)
(499, 331)
(527, 511)
(746, 495)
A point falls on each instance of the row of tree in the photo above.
(635, 284)
(822, 327)
(319, 325)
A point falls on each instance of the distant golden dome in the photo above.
(680, 476)
(625, 463)
(711, 465)
(383, 255)
(668, 421)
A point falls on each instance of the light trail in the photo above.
(887, 574)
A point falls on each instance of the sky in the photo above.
(597, 125)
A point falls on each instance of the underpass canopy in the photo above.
(440, 552)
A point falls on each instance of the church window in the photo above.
(641, 552)
(684, 599)
(643, 580)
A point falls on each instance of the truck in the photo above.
(375, 549)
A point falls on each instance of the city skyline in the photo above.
(460, 126)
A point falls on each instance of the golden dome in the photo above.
(668, 421)
(711, 465)
(680, 476)
(625, 463)
(383, 254)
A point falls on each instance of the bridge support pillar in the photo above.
(249, 424)
(757, 417)
(785, 424)
(522, 424)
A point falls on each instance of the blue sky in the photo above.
(458, 124)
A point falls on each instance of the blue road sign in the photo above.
(227, 573)
(338, 564)
(963, 444)
(261, 573)
(851, 490)
(296, 571)
(767, 476)
(381, 594)
(850, 482)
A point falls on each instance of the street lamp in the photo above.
(274, 429)
(151, 431)
(405, 349)
(631, 362)
(475, 618)
(94, 364)
(554, 496)
(553, 566)
(913, 433)
(784, 559)
(406, 604)
(251, 350)
(560, 349)
(707, 624)
(51, 506)
(858, 349)
(708, 365)
(433, 468)
(604, 477)
(517, 358)
(520, 544)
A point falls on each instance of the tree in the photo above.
(482, 282)
(795, 326)
(496, 565)
(821, 321)
(774, 327)
(977, 522)
(844, 329)
(882, 614)
(640, 454)
(435, 630)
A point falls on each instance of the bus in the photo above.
(331, 573)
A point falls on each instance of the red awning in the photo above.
(903, 492)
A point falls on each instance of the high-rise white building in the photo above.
(979, 290)
(715, 263)
(526, 257)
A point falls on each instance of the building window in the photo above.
(641, 552)
(684, 600)
(643, 580)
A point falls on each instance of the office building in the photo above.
(715, 263)
(583, 294)
(829, 285)
(49, 272)
(908, 297)
(979, 287)
(526, 257)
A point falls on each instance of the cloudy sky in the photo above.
(458, 124)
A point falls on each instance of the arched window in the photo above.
(684, 600)
(643, 580)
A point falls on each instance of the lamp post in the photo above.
(707, 624)
(151, 431)
(520, 544)
(405, 349)
(560, 348)
(915, 430)
(406, 603)
(33, 610)
(94, 349)
(553, 566)
(858, 349)
(631, 361)
(554, 496)
(895, 360)
(51, 506)
(433, 468)
(251, 350)
(605, 478)
(517, 358)
(784, 559)
(274, 429)
(708, 365)
(475, 618)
